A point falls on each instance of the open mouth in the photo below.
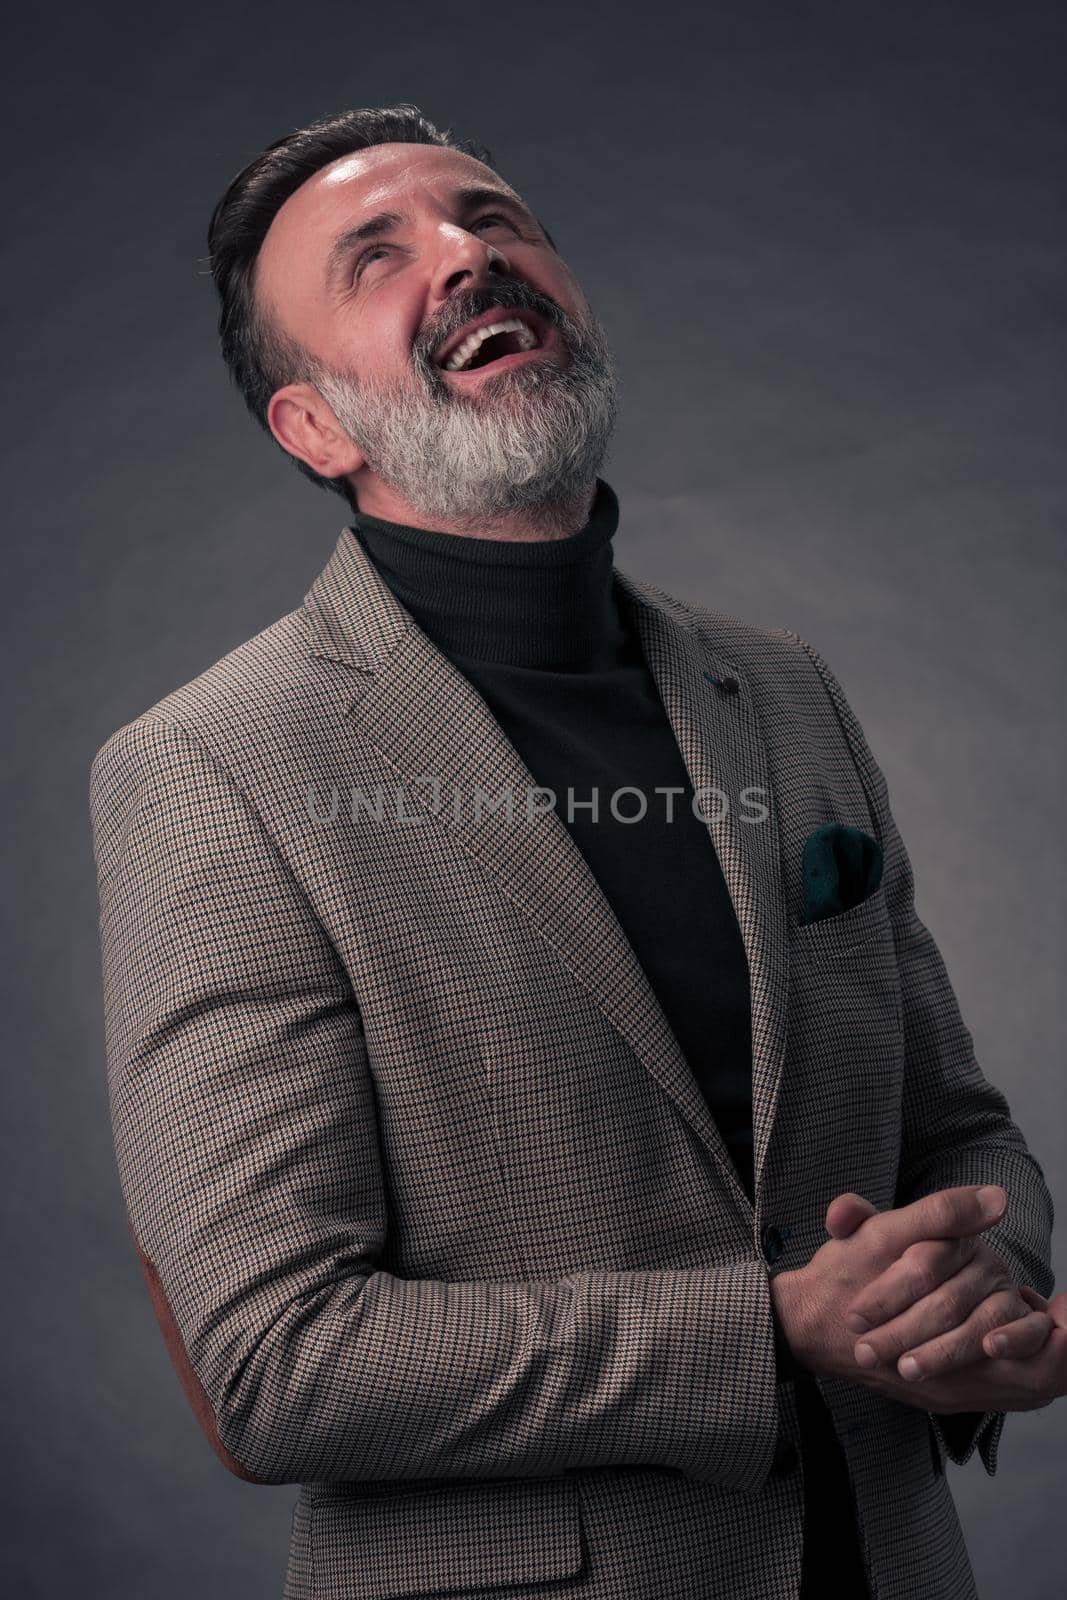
(499, 342)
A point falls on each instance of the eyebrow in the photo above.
(387, 221)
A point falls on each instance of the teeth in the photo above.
(463, 352)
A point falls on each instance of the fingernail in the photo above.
(998, 1345)
(991, 1199)
(910, 1368)
(857, 1323)
(865, 1355)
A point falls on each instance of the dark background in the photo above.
(827, 245)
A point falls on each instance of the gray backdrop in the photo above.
(827, 245)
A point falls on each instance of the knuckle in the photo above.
(950, 1305)
(996, 1268)
(919, 1277)
(877, 1235)
(890, 1346)
(960, 1308)
(938, 1260)
(934, 1357)
(948, 1210)
(1000, 1308)
(954, 1254)
(963, 1212)
(923, 1280)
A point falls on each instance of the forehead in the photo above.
(395, 176)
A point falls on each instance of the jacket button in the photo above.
(772, 1241)
(730, 685)
(785, 1457)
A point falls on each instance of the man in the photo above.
(481, 1129)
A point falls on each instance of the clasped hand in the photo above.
(930, 1299)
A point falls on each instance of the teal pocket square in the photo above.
(841, 867)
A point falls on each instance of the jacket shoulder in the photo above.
(233, 705)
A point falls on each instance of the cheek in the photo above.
(551, 276)
(569, 295)
(377, 344)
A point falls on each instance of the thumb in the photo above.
(845, 1213)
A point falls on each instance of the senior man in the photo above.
(515, 1167)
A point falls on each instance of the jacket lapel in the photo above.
(444, 745)
(724, 750)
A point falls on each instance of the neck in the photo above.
(547, 603)
(553, 520)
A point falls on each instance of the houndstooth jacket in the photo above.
(433, 1214)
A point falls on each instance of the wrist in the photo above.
(787, 1360)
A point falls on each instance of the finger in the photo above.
(1056, 1308)
(963, 1344)
(917, 1273)
(1019, 1339)
(846, 1212)
(1032, 1298)
(997, 1385)
(938, 1313)
(945, 1214)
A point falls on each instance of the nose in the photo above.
(465, 260)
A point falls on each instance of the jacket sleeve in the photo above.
(245, 1126)
(957, 1127)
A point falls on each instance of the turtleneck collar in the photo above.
(547, 603)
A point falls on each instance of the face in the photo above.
(377, 267)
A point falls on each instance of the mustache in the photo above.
(462, 307)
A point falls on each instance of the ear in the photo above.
(303, 424)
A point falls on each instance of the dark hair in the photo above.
(261, 359)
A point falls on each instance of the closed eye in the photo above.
(365, 257)
(491, 216)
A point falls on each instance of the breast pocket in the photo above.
(869, 920)
(846, 967)
(380, 1544)
(844, 1068)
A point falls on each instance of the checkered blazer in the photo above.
(433, 1214)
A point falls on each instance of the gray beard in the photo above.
(533, 437)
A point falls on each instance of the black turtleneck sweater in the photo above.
(539, 629)
(545, 636)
